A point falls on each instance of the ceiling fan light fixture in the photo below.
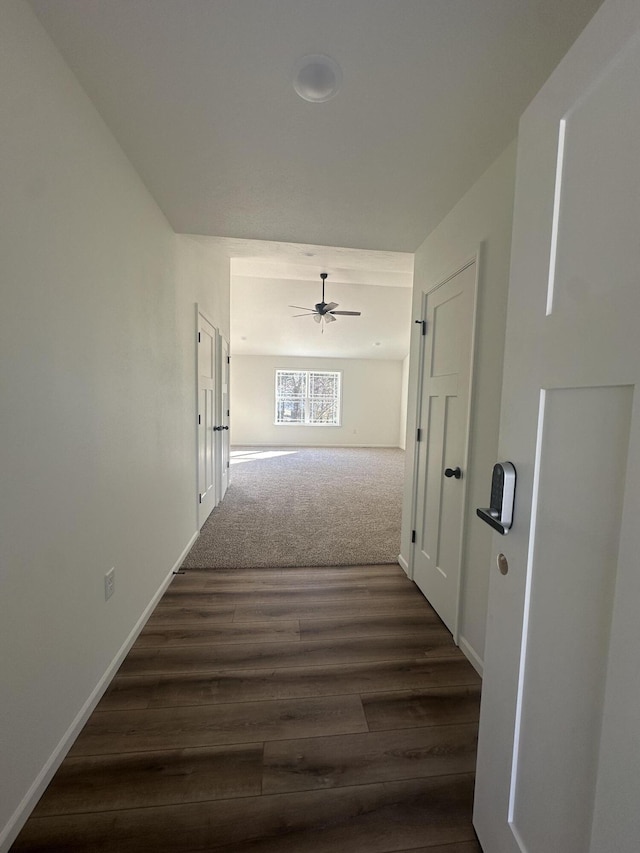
(324, 312)
(317, 78)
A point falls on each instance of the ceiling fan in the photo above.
(324, 311)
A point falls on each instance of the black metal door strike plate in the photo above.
(503, 489)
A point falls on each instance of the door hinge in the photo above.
(413, 536)
(227, 412)
(228, 359)
(199, 419)
(418, 434)
(423, 324)
(198, 337)
(200, 498)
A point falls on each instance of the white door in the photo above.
(223, 416)
(443, 436)
(559, 752)
(207, 403)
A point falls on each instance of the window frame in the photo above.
(307, 398)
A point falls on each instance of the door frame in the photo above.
(477, 259)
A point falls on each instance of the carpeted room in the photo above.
(305, 506)
(311, 489)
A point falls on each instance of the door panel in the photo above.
(559, 755)
(594, 201)
(207, 454)
(568, 611)
(451, 505)
(443, 421)
(223, 418)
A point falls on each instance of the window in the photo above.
(310, 397)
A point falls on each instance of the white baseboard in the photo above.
(468, 651)
(404, 565)
(240, 444)
(18, 819)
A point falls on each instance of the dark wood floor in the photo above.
(286, 710)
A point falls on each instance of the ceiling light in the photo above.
(317, 78)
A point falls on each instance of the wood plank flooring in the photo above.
(264, 710)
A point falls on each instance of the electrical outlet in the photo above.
(109, 583)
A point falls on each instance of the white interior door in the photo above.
(223, 416)
(207, 405)
(442, 449)
(559, 752)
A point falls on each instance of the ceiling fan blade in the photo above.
(348, 313)
(330, 306)
(317, 317)
(329, 318)
(308, 314)
(301, 307)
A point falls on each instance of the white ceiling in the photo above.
(266, 279)
(381, 332)
(199, 94)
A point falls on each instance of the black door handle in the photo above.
(453, 472)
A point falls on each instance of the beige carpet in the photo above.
(305, 507)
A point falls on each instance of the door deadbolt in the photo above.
(499, 514)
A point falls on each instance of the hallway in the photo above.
(276, 710)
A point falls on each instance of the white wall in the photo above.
(482, 217)
(371, 402)
(204, 276)
(97, 379)
(404, 402)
